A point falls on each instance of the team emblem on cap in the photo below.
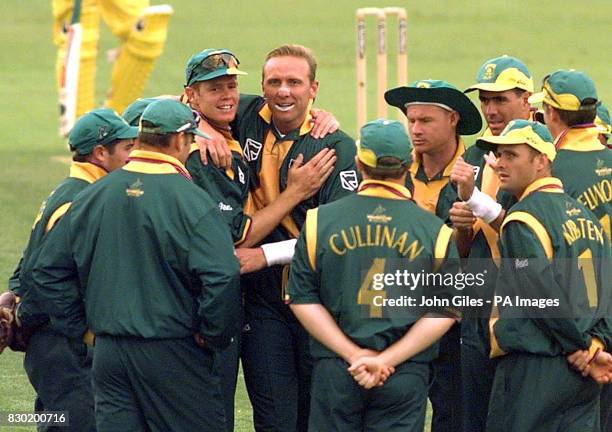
(489, 71)
(102, 132)
(423, 84)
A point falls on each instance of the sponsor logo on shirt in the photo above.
(241, 176)
(225, 207)
(348, 180)
(252, 149)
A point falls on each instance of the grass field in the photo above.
(446, 40)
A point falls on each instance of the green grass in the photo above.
(446, 39)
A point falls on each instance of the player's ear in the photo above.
(99, 155)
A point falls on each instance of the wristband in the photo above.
(483, 206)
(279, 252)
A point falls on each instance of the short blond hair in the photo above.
(293, 50)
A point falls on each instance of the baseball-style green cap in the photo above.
(211, 63)
(101, 126)
(134, 110)
(441, 94)
(383, 138)
(532, 133)
(501, 74)
(568, 90)
(168, 116)
(602, 121)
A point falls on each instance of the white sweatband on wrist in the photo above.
(483, 206)
(279, 252)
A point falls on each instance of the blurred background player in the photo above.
(604, 124)
(142, 30)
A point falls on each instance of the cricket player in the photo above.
(212, 90)
(152, 273)
(273, 131)
(57, 366)
(504, 85)
(142, 30)
(438, 114)
(583, 163)
(552, 247)
(330, 290)
(603, 123)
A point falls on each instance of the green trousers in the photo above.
(533, 393)
(338, 403)
(155, 385)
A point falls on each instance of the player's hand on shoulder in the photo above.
(216, 147)
(323, 123)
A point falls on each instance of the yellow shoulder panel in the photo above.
(310, 229)
(535, 226)
(57, 214)
(441, 245)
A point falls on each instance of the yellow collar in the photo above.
(266, 114)
(152, 162)
(546, 184)
(416, 157)
(86, 171)
(233, 145)
(383, 189)
(582, 139)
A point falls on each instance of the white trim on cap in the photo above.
(445, 107)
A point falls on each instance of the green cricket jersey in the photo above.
(229, 188)
(81, 175)
(585, 167)
(270, 155)
(436, 194)
(554, 229)
(143, 253)
(343, 245)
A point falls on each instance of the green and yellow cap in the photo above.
(167, 116)
(211, 63)
(602, 121)
(439, 93)
(532, 133)
(101, 126)
(384, 138)
(134, 110)
(568, 90)
(501, 74)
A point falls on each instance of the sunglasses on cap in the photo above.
(213, 62)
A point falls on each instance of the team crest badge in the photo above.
(423, 84)
(135, 189)
(602, 170)
(570, 210)
(241, 175)
(489, 71)
(252, 149)
(379, 216)
(348, 180)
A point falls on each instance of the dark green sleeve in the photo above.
(13, 282)
(55, 277)
(303, 285)
(345, 178)
(212, 261)
(535, 278)
(248, 105)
